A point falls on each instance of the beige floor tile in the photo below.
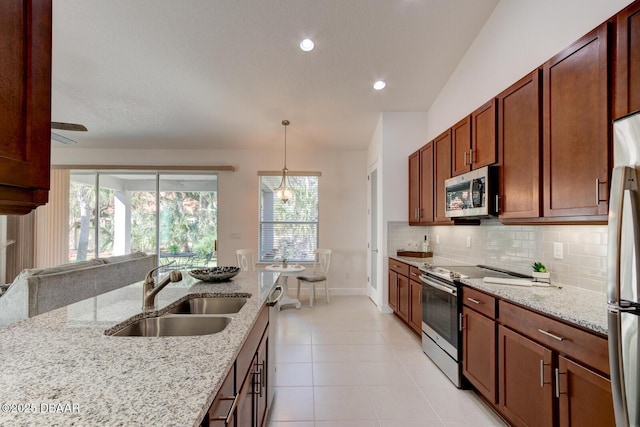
(291, 424)
(294, 374)
(294, 337)
(343, 403)
(336, 373)
(366, 337)
(292, 404)
(374, 353)
(293, 353)
(415, 423)
(399, 402)
(332, 337)
(333, 353)
(336, 423)
(384, 373)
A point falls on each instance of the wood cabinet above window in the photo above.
(25, 93)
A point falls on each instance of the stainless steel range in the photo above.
(441, 309)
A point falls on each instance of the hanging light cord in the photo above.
(285, 123)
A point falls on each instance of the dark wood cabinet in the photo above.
(393, 290)
(403, 297)
(219, 413)
(25, 93)
(461, 146)
(576, 128)
(421, 186)
(627, 71)
(519, 141)
(245, 404)
(525, 380)
(415, 300)
(585, 398)
(441, 172)
(484, 137)
(261, 378)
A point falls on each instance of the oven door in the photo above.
(440, 314)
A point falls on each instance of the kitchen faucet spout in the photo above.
(150, 290)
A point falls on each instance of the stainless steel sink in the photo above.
(209, 305)
(172, 326)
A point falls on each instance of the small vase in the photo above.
(541, 277)
(284, 264)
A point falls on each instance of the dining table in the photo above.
(282, 280)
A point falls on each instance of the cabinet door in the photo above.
(393, 290)
(519, 140)
(461, 146)
(585, 397)
(414, 188)
(245, 412)
(223, 402)
(525, 380)
(262, 379)
(25, 91)
(415, 309)
(426, 183)
(403, 297)
(479, 353)
(576, 128)
(627, 95)
(441, 172)
(484, 141)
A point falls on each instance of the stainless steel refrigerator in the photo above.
(623, 278)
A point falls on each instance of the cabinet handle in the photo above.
(227, 419)
(464, 159)
(414, 274)
(558, 392)
(598, 200)
(475, 301)
(461, 321)
(471, 156)
(542, 365)
(549, 334)
(497, 204)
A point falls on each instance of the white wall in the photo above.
(343, 198)
(519, 36)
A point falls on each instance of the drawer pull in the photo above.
(227, 420)
(414, 274)
(542, 381)
(549, 334)
(475, 301)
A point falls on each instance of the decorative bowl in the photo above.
(214, 274)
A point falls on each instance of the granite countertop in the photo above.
(60, 369)
(574, 305)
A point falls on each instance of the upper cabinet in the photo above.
(576, 129)
(421, 186)
(25, 96)
(520, 140)
(461, 146)
(627, 73)
(474, 139)
(441, 172)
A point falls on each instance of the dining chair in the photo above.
(246, 260)
(318, 275)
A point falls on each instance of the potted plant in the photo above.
(173, 248)
(540, 271)
(284, 263)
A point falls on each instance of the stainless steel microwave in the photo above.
(472, 194)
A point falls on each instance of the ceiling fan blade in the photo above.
(68, 126)
(63, 139)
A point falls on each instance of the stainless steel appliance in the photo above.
(623, 278)
(472, 194)
(441, 310)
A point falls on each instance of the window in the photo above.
(288, 230)
(174, 215)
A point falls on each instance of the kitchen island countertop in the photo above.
(59, 368)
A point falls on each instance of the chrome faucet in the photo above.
(149, 290)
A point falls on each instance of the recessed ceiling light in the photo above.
(379, 85)
(307, 45)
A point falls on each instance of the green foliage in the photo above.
(539, 267)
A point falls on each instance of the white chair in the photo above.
(318, 274)
(245, 259)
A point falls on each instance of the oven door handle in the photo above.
(440, 287)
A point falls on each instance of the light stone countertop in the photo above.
(574, 305)
(63, 358)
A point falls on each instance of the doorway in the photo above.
(372, 287)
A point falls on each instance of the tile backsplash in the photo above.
(584, 248)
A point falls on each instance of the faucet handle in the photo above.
(175, 276)
(149, 277)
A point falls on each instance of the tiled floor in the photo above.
(345, 364)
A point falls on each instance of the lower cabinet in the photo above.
(405, 293)
(242, 398)
(534, 369)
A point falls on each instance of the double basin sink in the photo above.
(193, 316)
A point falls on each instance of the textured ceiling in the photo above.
(224, 73)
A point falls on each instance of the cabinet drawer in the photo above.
(399, 267)
(248, 351)
(575, 343)
(479, 301)
(414, 273)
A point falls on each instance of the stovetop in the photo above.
(455, 273)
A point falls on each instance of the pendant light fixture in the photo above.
(284, 192)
